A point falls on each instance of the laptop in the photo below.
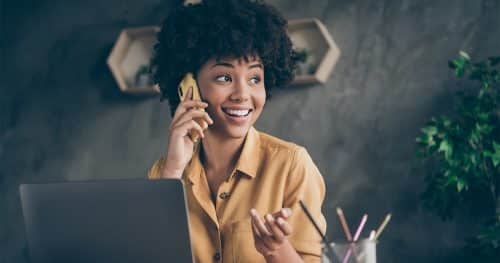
(107, 221)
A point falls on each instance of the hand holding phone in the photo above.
(187, 126)
(187, 82)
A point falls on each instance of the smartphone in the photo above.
(186, 82)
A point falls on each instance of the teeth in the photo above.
(238, 112)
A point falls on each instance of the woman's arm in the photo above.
(180, 144)
(305, 183)
(286, 253)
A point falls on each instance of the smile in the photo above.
(237, 112)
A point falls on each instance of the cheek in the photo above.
(215, 98)
(212, 95)
(260, 98)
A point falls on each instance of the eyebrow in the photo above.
(225, 64)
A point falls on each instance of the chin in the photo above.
(236, 132)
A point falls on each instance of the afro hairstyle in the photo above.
(216, 29)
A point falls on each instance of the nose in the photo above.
(241, 91)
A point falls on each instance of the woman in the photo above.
(242, 186)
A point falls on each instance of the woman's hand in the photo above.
(271, 231)
(180, 145)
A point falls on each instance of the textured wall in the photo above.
(62, 117)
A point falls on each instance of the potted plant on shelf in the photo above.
(143, 77)
(301, 55)
(461, 152)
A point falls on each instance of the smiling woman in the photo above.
(242, 186)
(235, 93)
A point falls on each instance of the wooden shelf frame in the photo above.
(133, 48)
(312, 34)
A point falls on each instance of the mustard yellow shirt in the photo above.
(270, 174)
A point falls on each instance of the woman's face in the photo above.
(235, 93)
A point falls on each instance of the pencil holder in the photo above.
(362, 251)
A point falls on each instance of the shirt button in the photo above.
(224, 195)
(217, 256)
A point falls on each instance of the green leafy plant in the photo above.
(303, 66)
(462, 154)
(143, 70)
(300, 55)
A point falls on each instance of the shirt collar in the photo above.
(247, 163)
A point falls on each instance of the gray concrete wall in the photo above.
(63, 118)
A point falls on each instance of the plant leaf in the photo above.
(429, 130)
(495, 157)
(494, 60)
(446, 148)
(461, 185)
(464, 54)
(451, 64)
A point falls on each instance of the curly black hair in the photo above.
(196, 33)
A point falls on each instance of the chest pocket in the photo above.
(242, 243)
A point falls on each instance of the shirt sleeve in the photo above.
(305, 183)
(155, 171)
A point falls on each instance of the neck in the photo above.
(219, 153)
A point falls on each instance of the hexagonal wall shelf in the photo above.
(134, 47)
(322, 52)
(129, 60)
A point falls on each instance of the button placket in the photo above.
(224, 188)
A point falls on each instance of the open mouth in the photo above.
(237, 112)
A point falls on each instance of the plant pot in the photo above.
(143, 80)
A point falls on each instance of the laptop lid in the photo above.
(107, 221)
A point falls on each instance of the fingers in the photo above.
(261, 240)
(193, 104)
(256, 220)
(284, 212)
(258, 241)
(273, 227)
(273, 223)
(271, 231)
(188, 103)
(255, 230)
(280, 219)
(284, 226)
(265, 242)
(193, 114)
(184, 128)
(186, 106)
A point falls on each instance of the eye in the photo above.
(223, 78)
(257, 80)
